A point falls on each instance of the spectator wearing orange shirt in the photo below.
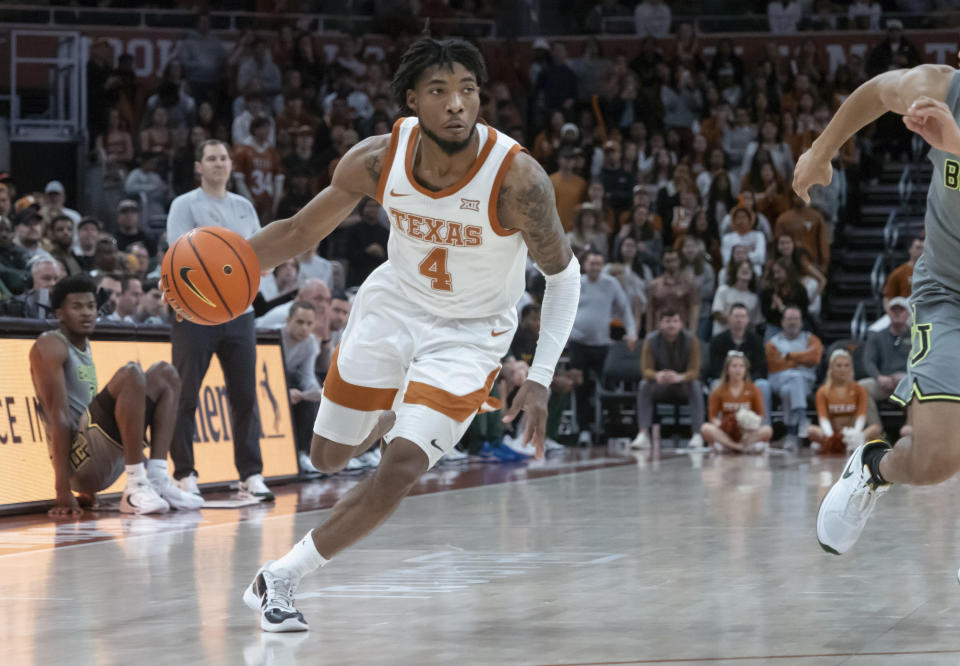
(736, 410)
(899, 281)
(547, 143)
(714, 127)
(809, 231)
(259, 172)
(842, 409)
(769, 190)
(570, 189)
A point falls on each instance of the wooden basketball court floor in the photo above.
(597, 558)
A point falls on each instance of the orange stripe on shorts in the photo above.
(457, 407)
(362, 398)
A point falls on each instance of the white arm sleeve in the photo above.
(560, 302)
(860, 422)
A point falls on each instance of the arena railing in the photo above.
(707, 23)
(115, 17)
(860, 323)
(891, 232)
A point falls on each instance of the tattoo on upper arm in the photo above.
(532, 208)
(373, 165)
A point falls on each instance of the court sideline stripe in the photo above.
(426, 493)
(755, 658)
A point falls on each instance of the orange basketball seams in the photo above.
(210, 275)
(249, 259)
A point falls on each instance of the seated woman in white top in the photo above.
(738, 254)
(740, 287)
(780, 153)
(810, 276)
(744, 233)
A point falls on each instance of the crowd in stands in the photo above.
(671, 173)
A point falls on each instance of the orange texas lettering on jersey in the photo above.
(439, 232)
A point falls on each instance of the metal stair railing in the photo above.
(858, 324)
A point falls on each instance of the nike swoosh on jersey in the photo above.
(497, 334)
(185, 276)
(397, 194)
(433, 443)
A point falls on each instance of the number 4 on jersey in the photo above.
(434, 266)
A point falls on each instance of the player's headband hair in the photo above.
(427, 52)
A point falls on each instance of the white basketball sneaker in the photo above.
(254, 485)
(273, 595)
(189, 484)
(175, 496)
(641, 441)
(846, 508)
(306, 465)
(140, 497)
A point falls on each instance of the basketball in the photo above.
(210, 275)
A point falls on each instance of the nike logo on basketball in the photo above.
(497, 334)
(397, 194)
(185, 276)
(434, 444)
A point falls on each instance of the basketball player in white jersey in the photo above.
(429, 327)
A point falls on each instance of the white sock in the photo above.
(156, 469)
(136, 473)
(302, 559)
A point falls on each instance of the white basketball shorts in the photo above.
(434, 372)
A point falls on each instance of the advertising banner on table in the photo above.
(26, 474)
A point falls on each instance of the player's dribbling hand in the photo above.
(933, 121)
(66, 506)
(532, 399)
(812, 169)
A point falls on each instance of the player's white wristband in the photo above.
(560, 302)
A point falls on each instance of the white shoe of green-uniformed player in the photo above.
(846, 508)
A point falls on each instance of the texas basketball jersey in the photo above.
(259, 165)
(447, 247)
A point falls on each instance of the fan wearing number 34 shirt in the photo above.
(429, 326)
